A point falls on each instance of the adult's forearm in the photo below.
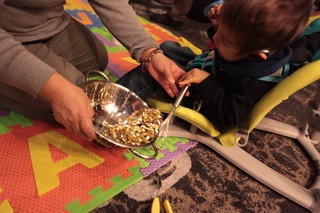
(19, 68)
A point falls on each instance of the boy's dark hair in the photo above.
(261, 24)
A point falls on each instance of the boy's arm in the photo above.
(223, 102)
(227, 103)
(194, 76)
(213, 11)
(213, 4)
(305, 48)
(213, 15)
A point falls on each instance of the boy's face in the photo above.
(226, 43)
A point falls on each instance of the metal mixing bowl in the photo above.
(113, 102)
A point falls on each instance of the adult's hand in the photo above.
(70, 105)
(166, 72)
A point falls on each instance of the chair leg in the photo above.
(303, 138)
(306, 136)
(261, 172)
(314, 114)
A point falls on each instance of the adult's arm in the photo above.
(19, 68)
(119, 17)
(121, 20)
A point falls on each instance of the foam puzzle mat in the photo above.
(44, 168)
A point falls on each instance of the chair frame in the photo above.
(309, 198)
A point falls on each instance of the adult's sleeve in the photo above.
(121, 20)
(19, 68)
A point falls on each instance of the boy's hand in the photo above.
(194, 76)
(213, 15)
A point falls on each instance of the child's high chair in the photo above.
(229, 144)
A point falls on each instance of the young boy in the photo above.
(251, 40)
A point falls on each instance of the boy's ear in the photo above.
(263, 54)
(260, 55)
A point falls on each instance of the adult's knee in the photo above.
(169, 45)
(101, 55)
